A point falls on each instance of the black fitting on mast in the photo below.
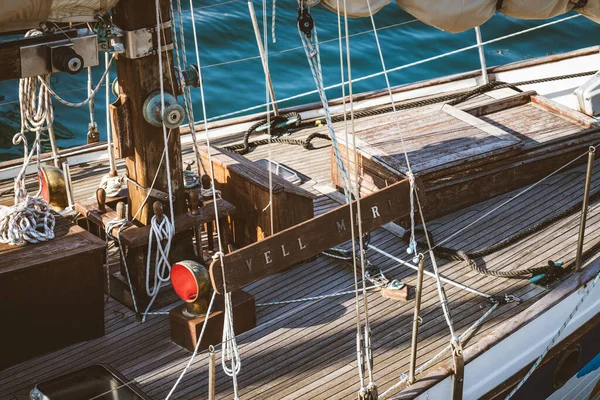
(305, 21)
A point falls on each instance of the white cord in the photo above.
(46, 84)
(160, 232)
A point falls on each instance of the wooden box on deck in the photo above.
(51, 293)
(185, 331)
(246, 186)
(468, 153)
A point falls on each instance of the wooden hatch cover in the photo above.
(293, 245)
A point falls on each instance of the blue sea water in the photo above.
(234, 78)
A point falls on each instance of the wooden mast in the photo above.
(138, 79)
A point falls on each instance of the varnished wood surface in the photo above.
(307, 350)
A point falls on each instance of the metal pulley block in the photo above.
(305, 22)
(65, 59)
(189, 77)
(93, 136)
(173, 115)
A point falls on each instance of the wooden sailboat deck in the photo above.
(308, 349)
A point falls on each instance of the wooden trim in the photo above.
(559, 109)
(300, 242)
(478, 123)
(501, 104)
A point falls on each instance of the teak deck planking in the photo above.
(308, 349)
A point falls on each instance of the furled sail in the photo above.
(25, 14)
(460, 15)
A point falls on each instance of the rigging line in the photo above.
(428, 273)
(440, 287)
(362, 250)
(555, 337)
(162, 111)
(187, 367)
(324, 296)
(111, 154)
(187, 97)
(62, 92)
(425, 365)
(300, 47)
(231, 349)
(84, 102)
(509, 200)
(399, 68)
(360, 350)
(215, 5)
(268, 100)
(267, 324)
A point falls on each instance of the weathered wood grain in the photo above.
(289, 247)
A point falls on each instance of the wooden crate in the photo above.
(246, 186)
(51, 294)
(465, 155)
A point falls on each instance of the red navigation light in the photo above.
(184, 282)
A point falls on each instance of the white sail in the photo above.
(461, 15)
(354, 8)
(25, 14)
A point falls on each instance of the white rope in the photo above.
(324, 296)
(220, 254)
(30, 221)
(399, 68)
(111, 185)
(92, 126)
(190, 179)
(187, 367)
(161, 233)
(555, 337)
(230, 352)
(423, 367)
(111, 154)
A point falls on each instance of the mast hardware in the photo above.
(172, 116)
(154, 193)
(43, 54)
(189, 77)
(143, 42)
(305, 22)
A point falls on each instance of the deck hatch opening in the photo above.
(281, 170)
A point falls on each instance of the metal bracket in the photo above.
(36, 58)
(143, 42)
(151, 192)
(459, 369)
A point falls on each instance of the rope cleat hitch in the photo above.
(554, 272)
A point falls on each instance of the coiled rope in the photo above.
(161, 234)
(29, 221)
(452, 99)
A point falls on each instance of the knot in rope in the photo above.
(111, 225)
(161, 233)
(111, 185)
(28, 221)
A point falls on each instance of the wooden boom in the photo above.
(293, 245)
